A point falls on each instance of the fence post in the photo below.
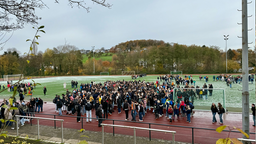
(113, 128)
(173, 138)
(82, 122)
(38, 133)
(54, 121)
(134, 136)
(149, 132)
(192, 135)
(102, 134)
(31, 121)
(17, 123)
(62, 132)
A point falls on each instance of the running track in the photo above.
(199, 120)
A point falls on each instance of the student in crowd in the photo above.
(253, 114)
(188, 111)
(126, 109)
(214, 110)
(45, 90)
(170, 113)
(88, 108)
(99, 114)
(221, 111)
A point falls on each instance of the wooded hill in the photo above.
(141, 56)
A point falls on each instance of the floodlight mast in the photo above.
(93, 60)
(226, 39)
(245, 82)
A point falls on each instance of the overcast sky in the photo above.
(200, 22)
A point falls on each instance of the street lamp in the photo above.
(93, 60)
(226, 39)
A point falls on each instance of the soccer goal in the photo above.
(176, 72)
(128, 72)
(202, 98)
(13, 77)
(104, 73)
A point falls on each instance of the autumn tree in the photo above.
(106, 63)
(233, 66)
(9, 64)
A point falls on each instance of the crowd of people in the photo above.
(23, 108)
(134, 97)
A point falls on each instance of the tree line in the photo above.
(150, 57)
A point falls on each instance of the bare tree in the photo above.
(15, 13)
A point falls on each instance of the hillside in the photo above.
(103, 57)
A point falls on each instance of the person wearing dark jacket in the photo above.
(97, 104)
(99, 114)
(119, 104)
(220, 112)
(36, 101)
(55, 102)
(45, 90)
(105, 108)
(156, 107)
(31, 107)
(21, 97)
(59, 105)
(40, 105)
(210, 89)
(126, 109)
(88, 108)
(78, 112)
(214, 110)
(253, 114)
(188, 111)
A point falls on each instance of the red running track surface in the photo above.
(199, 120)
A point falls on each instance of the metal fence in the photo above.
(191, 129)
(38, 118)
(134, 133)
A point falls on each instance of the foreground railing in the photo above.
(192, 129)
(38, 118)
(246, 140)
(134, 132)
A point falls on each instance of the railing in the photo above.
(149, 125)
(246, 140)
(38, 118)
(134, 133)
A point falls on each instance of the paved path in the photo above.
(200, 119)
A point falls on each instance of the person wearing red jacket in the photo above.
(182, 107)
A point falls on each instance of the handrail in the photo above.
(134, 128)
(148, 123)
(246, 140)
(139, 128)
(38, 118)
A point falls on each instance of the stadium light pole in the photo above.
(226, 39)
(93, 60)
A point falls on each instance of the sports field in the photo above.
(54, 86)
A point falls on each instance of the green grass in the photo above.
(103, 58)
(54, 86)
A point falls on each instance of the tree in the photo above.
(12, 51)
(231, 54)
(106, 63)
(24, 11)
(9, 64)
(233, 66)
